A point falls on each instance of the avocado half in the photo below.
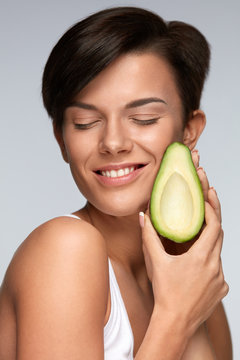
(177, 202)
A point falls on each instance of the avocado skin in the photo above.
(175, 154)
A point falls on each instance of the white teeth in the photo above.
(120, 172)
(117, 173)
(113, 173)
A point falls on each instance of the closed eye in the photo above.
(85, 126)
(137, 121)
(146, 122)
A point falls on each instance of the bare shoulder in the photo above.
(54, 279)
(62, 244)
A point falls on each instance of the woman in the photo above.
(120, 86)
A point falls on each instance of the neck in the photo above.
(122, 236)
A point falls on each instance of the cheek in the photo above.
(78, 152)
(158, 138)
(78, 148)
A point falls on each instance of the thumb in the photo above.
(150, 237)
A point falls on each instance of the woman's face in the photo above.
(117, 129)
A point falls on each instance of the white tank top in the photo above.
(118, 335)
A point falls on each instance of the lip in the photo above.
(122, 180)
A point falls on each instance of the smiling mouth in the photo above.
(119, 172)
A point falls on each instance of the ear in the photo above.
(59, 137)
(194, 128)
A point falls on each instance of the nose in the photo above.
(115, 138)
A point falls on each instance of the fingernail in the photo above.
(195, 151)
(141, 219)
(212, 188)
(201, 169)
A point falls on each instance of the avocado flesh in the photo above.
(177, 202)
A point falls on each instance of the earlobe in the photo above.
(194, 128)
(59, 137)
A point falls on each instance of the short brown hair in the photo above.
(93, 43)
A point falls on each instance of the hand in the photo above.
(188, 286)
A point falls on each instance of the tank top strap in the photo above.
(72, 216)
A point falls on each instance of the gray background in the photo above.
(36, 184)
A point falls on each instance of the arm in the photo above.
(198, 345)
(219, 333)
(216, 326)
(213, 337)
(56, 277)
(212, 340)
(186, 289)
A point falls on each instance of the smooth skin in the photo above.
(55, 298)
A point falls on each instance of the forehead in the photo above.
(132, 76)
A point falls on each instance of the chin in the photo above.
(123, 209)
(119, 203)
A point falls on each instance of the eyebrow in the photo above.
(145, 101)
(132, 104)
(82, 105)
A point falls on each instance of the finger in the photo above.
(214, 202)
(211, 232)
(195, 158)
(164, 242)
(225, 286)
(218, 247)
(149, 235)
(204, 182)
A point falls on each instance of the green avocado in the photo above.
(177, 202)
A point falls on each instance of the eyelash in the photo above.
(137, 121)
(84, 126)
(146, 122)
